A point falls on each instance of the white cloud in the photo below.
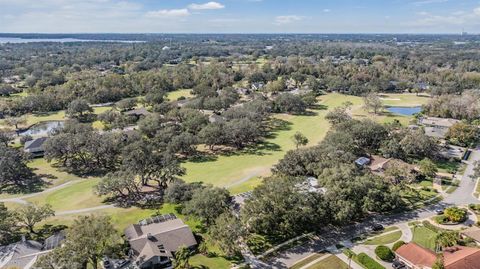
(327, 10)
(428, 2)
(454, 18)
(168, 13)
(477, 11)
(281, 20)
(209, 5)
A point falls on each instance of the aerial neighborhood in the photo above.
(281, 147)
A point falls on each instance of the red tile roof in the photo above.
(417, 255)
(462, 258)
(457, 257)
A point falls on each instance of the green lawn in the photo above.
(331, 262)
(202, 262)
(385, 239)
(424, 237)
(75, 196)
(307, 260)
(173, 96)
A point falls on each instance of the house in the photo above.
(310, 185)
(458, 257)
(138, 113)
(216, 118)
(472, 233)
(378, 164)
(24, 253)
(437, 127)
(154, 241)
(35, 147)
(362, 161)
(257, 86)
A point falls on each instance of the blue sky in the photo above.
(240, 16)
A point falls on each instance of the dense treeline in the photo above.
(55, 74)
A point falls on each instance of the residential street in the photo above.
(462, 196)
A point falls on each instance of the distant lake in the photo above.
(406, 111)
(17, 40)
(42, 128)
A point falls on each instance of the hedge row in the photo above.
(368, 262)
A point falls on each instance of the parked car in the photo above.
(398, 265)
(377, 227)
(439, 211)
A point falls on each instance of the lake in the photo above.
(43, 128)
(17, 40)
(405, 111)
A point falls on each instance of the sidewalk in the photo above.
(345, 259)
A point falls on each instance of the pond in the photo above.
(405, 111)
(42, 128)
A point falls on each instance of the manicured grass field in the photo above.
(329, 263)
(307, 260)
(424, 237)
(173, 96)
(75, 196)
(385, 239)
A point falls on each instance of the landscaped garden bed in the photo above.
(452, 216)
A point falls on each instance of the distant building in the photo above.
(362, 161)
(257, 86)
(437, 127)
(35, 147)
(216, 118)
(139, 112)
(311, 185)
(154, 241)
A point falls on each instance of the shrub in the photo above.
(455, 214)
(441, 219)
(368, 262)
(25, 139)
(258, 243)
(397, 245)
(384, 253)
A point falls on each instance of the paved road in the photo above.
(462, 196)
(464, 193)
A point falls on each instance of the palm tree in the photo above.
(446, 239)
(181, 258)
(349, 254)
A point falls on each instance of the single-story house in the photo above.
(437, 127)
(216, 118)
(154, 241)
(378, 164)
(362, 161)
(257, 86)
(311, 185)
(35, 147)
(473, 233)
(457, 257)
(139, 112)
